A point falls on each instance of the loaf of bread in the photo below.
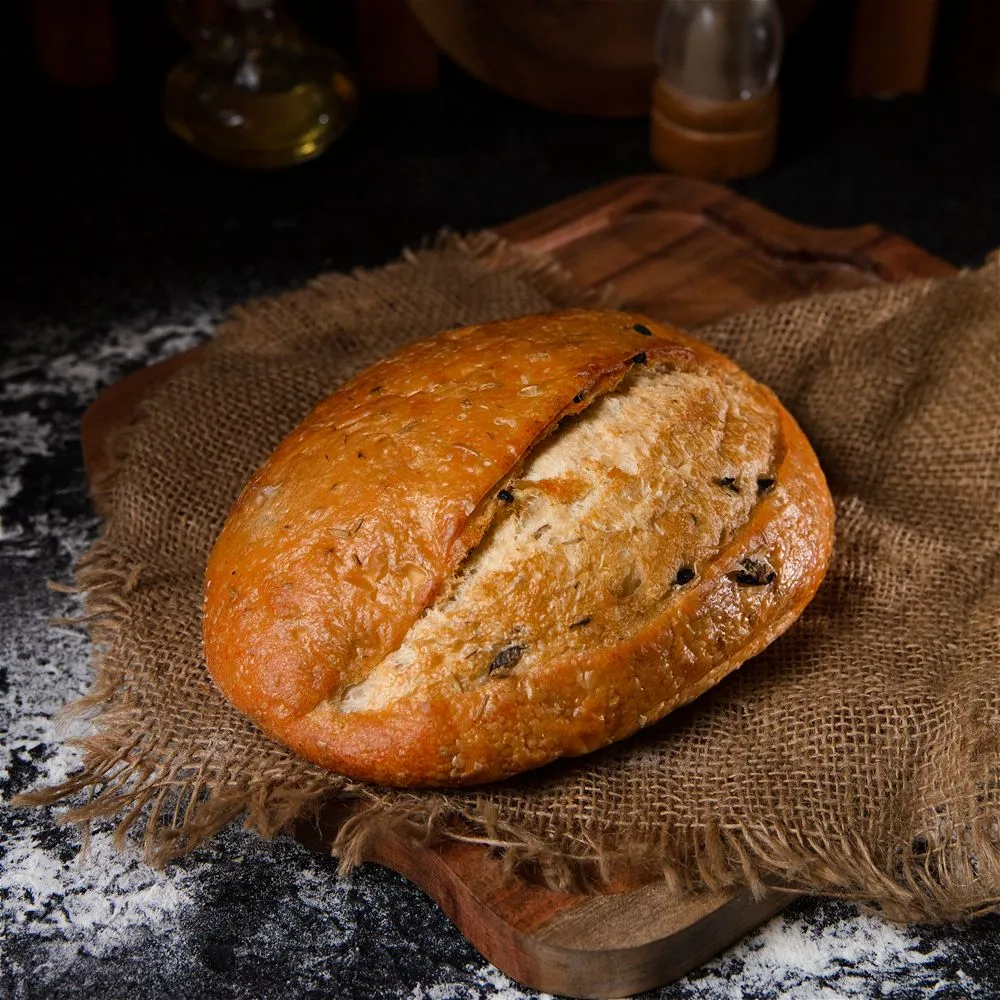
(510, 543)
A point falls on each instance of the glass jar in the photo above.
(715, 102)
(254, 93)
(722, 50)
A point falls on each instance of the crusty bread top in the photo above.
(445, 575)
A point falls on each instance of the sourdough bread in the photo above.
(511, 543)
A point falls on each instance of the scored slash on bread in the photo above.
(510, 543)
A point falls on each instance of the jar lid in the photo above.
(715, 140)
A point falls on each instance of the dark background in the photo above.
(107, 208)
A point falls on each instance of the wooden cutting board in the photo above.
(686, 252)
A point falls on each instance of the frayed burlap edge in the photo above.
(940, 883)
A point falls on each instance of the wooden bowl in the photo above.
(581, 56)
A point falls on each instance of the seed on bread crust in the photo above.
(505, 660)
(754, 571)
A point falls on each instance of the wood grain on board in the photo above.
(687, 252)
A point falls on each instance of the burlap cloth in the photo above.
(857, 757)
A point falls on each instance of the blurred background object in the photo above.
(394, 52)
(579, 56)
(254, 92)
(588, 57)
(966, 49)
(891, 48)
(575, 46)
(715, 106)
(75, 41)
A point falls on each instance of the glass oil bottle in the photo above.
(254, 92)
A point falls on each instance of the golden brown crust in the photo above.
(360, 519)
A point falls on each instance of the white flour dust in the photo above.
(836, 953)
(41, 397)
(48, 893)
(97, 898)
(478, 982)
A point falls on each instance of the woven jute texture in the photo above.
(857, 757)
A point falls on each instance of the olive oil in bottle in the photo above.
(254, 93)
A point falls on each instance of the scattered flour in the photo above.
(22, 435)
(479, 982)
(95, 896)
(74, 380)
(835, 952)
(47, 892)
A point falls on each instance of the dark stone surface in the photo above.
(121, 248)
